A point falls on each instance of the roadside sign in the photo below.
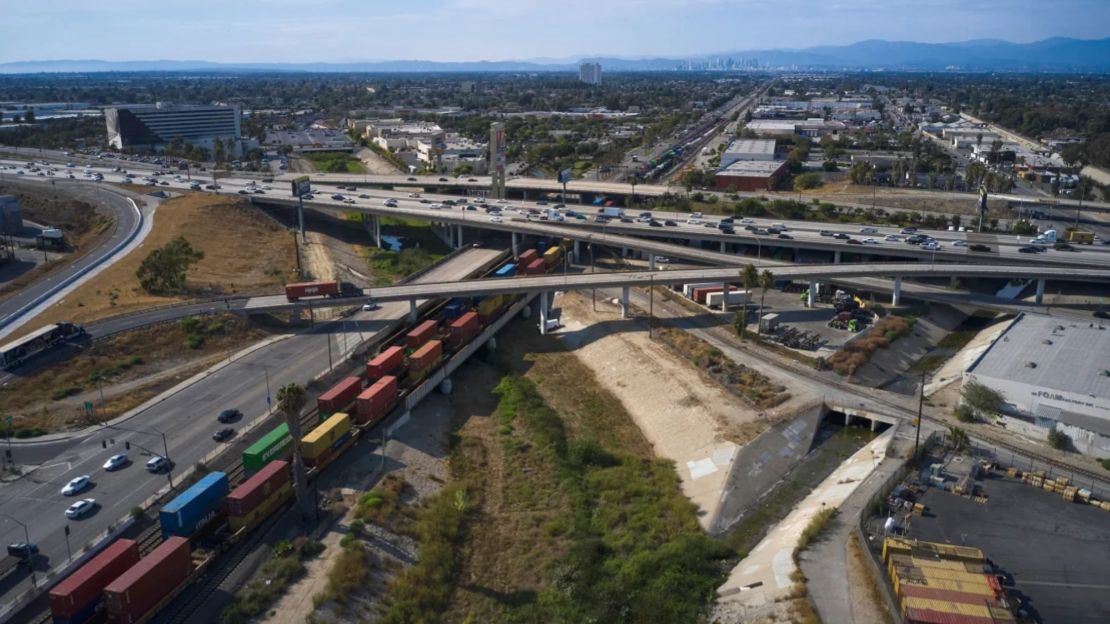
(88, 407)
(301, 186)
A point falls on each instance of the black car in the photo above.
(444, 180)
(670, 223)
(1029, 249)
(978, 247)
(841, 236)
(852, 241)
(229, 415)
(223, 434)
(412, 179)
(541, 203)
(559, 206)
(1102, 314)
(626, 220)
(728, 230)
(785, 237)
(654, 223)
(23, 550)
(774, 230)
(750, 228)
(471, 180)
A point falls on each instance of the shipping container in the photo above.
(77, 598)
(701, 293)
(339, 396)
(454, 309)
(267, 506)
(688, 289)
(385, 363)
(552, 256)
(277, 444)
(925, 616)
(906, 546)
(302, 290)
(508, 270)
(376, 401)
(145, 584)
(195, 507)
(490, 307)
(535, 267)
(735, 297)
(243, 499)
(462, 330)
(971, 585)
(420, 334)
(936, 593)
(527, 257)
(331, 432)
(424, 360)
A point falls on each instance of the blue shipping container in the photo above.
(193, 508)
(508, 270)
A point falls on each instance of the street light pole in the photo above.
(920, 407)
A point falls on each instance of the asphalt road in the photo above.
(188, 419)
(126, 221)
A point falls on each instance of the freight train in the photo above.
(119, 586)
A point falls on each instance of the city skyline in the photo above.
(349, 31)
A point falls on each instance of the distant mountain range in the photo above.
(1050, 55)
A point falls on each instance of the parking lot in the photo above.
(1056, 552)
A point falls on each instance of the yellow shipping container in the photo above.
(944, 606)
(489, 305)
(979, 588)
(319, 439)
(896, 545)
(952, 575)
(552, 255)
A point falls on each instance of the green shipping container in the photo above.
(277, 444)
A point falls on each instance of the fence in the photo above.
(1025, 462)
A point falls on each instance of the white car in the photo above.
(891, 237)
(746, 221)
(495, 219)
(960, 243)
(116, 462)
(80, 508)
(76, 485)
(694, 221)
(370, 305)
(157, 463)
(502, 201)
(932, 246)
(870, 241)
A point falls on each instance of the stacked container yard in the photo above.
(339, 396)
(257, 497)
(194, 508)
(132, 595)
(944, 584)
(77, 599)
(277, 444)
(385, 363)
(376, 401)
(323, 443)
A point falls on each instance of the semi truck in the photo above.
(1075, 235)
(304, 290)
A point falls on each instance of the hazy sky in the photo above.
(344, 30)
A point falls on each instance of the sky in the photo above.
(469, 30)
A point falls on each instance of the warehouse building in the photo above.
(750, 175)
(748, 149)
(152, 127)
(1052, 374)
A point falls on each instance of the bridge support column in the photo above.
(624, 301)
(577, 258)
(460, 243)
(836, 257)
(811, 294)
(516, 245)
(377, 223)
(724, 296)
(1040, 291)
(723, 247)
(543, 313)
(953, 282)
(412, 311)
(874, 425)
(896, 296)
(651, 261)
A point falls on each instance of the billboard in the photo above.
(497, 147)
(301, 186)
(565, 175)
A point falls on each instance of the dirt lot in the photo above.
(906, 199)
(130, 368)
(244, 252)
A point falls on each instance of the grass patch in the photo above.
(814, 529)
(334, 162)
(421, 249)
(381, 504)
(284, 566)
(349, 572)
(751, 385)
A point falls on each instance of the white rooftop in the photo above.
(758, 147)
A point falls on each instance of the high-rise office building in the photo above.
(590, 73)
(153, 126)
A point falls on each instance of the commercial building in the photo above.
(590, 73)
(748, 149)
(1052, 374)
(785, 128)
(152, 127)
(311, 140)
(11, 215)
(750, 175)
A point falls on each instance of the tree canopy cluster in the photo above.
(163, 271)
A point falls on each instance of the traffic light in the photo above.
(127, 445)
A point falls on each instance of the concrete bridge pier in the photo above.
(724, 296)
(459, 244)
(811, 294)
(543, 312)
(651, 261)
(723, 247)
(413, 316)
(836, 257)
(624, 301)
(1040, 291)
(577, 250)
(516, 245)
(896, 296)
(376, 223)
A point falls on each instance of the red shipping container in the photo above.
(947, 595)
(156, 576)
(252, 492)
(527, 257)
(376, 400)
(535, 267)
(421, 334)
(425, 356)
(463, 329)
(928, 616)
(87, 584)
(701, 293)
(386, 362)
(293, 292)
(339, 396)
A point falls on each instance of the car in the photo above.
(785, 237)
(76, 485)
(157, 464)
(23, 550)
(978, 247)
(363, 196)
(559, 206)
(602, 219)
(891, 237)
(471, 180)
(670, 223)
(728, 230)
(370, 305)
(959, 243)
(654, 223)
(931, 246)
(1062, 246)
(852, 241)
(115, 462)
(909, 230)
(337, 197)
(412, 179)
(223, 434)
(746, 221)
(444, 180)
(1030, 249)
(1102, 314)
(826, 233)
(502, 201)
(870, 241)
(80, 508)
(841, 236)
(693, 221)
(626, 220)
(495, 219)
(471, 207)
(425, 201)
(229, 415)
(242, 192)
(774, 230)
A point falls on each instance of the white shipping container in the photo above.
(735, 297)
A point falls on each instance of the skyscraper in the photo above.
(590, 73)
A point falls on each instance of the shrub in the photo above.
(807, 181)
(136, 512)
(1106, 463)
(1059, 440)
(964, 413)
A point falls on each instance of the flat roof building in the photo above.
(750, 175)
(152, 126)
(590, 73)
(1052, 373)
(748, 149)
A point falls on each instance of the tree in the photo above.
(218, 151)
(807, 181)
(1058, 439)
(766, 282)
(163, 270)
(957, 438)
(981, 398)
(291, 400)
(749, 277)
(739, 322)
(29, 116)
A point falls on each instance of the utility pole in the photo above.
(920, 408)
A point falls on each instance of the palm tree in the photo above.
(766, 282)
(291, 400)
(957, 438)
(749, 277)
